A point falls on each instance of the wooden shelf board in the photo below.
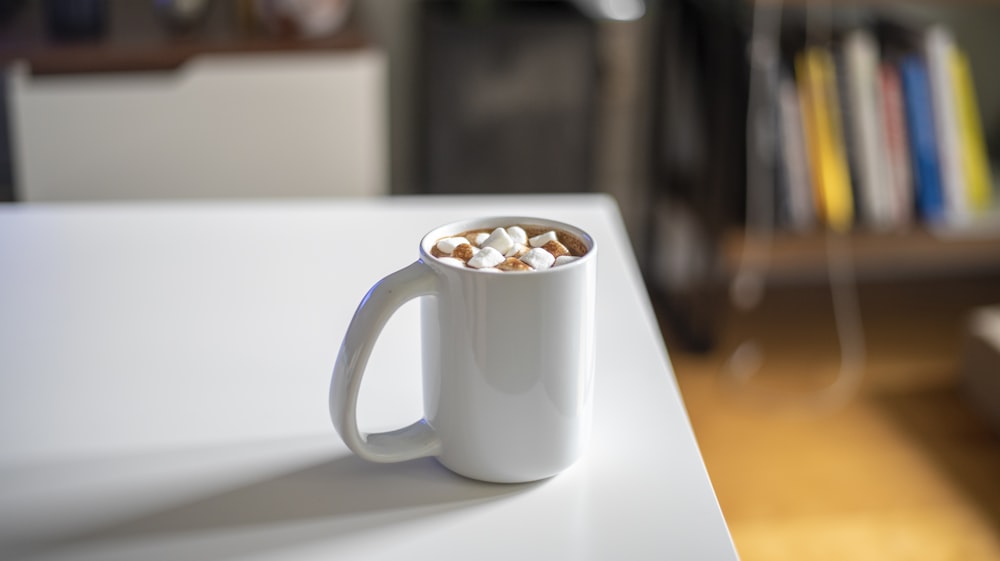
(918, 252)
(826, 4)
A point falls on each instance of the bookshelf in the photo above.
(709, 183)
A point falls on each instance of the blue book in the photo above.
(922, 138)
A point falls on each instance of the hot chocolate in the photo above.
(518, 248)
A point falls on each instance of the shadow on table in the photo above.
(324, 501)
(946, 427)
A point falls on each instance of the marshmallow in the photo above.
(448, 245)
(542, 239)
(517, 235)
(508, 249)
(516, 250)
(452, 261)
(555, 248)
(513, 264)
(498, 240)
(464, 252)
(488, 257)
(538, 258)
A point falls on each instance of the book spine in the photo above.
(830, 172)
(866, 126)
(896, 142)
(922, 138)
(938, 46)
(845, 120)
(794, 158)
(972, 147)
(807, 107)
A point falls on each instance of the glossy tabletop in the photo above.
(164, 370)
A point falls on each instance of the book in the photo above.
(896, 143)
(864, 90)
(846, 119)
(810, 143)
(796, 197)
(975, 161)
(922, 139)
(821, 111)
(939, 46)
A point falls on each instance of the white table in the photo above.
(163, 395)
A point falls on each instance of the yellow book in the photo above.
(809, 135)
(973, 148)
(828, 161)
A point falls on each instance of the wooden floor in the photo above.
(904, 470)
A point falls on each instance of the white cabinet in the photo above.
(281, 124)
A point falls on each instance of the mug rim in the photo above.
(497, 221)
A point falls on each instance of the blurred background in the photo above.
(810, 189)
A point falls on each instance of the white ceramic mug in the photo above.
(508, 363)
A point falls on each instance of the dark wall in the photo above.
(507, 97)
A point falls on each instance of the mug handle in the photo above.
(414, 441)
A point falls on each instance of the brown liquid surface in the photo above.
(574, 244)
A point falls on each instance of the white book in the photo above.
(801, 212)
(879, 207)
(938, 45)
